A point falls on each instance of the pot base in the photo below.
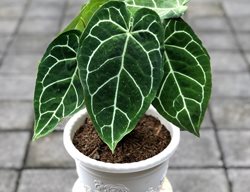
(78, 187)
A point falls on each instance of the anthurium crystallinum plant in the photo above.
(118, 58)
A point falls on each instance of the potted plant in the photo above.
(115, 62)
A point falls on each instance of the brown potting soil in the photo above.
(148, 139)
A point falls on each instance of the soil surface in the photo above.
(148, 139)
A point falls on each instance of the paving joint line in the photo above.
(14, 34)
(65, 6)
(220, 149)
(234, 32)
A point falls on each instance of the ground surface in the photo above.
(218, 162)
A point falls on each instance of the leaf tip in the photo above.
(197, 133)
(35, 137)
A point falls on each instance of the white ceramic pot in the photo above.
(96, 176)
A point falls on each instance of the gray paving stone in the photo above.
(197, 152)
(8, 180)
(1, 55)
(202, 9)
(44, 11)
(4, 42)
(61, 125)
(39, 26)
(66, 21)
(231, 113)
(236, 8)
(17, 87)
(227, 62)
(211, 24)
(25, 64)
(77, 2)
(49, 152)
(8, 26)
(12, 149)
(47, 180)
(16, 115)
(228, 85)
(48, 2)
(235, 146)
(11, 2)
(244, 41)
(11, 11)
(248, 58)
(73, 10)
(241, 24)
(192, 180)
(207, 121)
(240, 180)
(27, 44)
(219, 41)
(209, 1)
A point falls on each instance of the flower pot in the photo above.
(143, 176)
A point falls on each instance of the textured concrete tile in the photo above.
(202, 9)
(12, 2)
(207, 121)
(66, 21)
(39, 26)
(231, 85)
(244, 41)
(78, 2)
(231, 113)
(45, 11)
(240, 180)
(207, 180)
(11, 11)
(73, 10)
(47, 180)
(197, 152)
(61, 125)
(48, 2)
(12, 149)
(207, 1)
(8, 181)
(49, 152)
(227, 62)
(219, 41)
(4, 42)
(241, 24)
(16, 115)
(211, 24)
(236, 9)
(1, 55)
(8, 26)
(17, 87)
(248, 58)
(235, 146)
(27, 44)
(20, 64)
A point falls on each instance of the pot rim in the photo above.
(76, 120)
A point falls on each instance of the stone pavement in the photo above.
(217, 162)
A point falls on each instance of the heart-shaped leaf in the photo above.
(58, 91)
(186, 87)
(120, 64)
(165, 8)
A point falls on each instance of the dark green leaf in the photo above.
(165, 8)
(186, 87)
(58, 91)
(121, 68)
